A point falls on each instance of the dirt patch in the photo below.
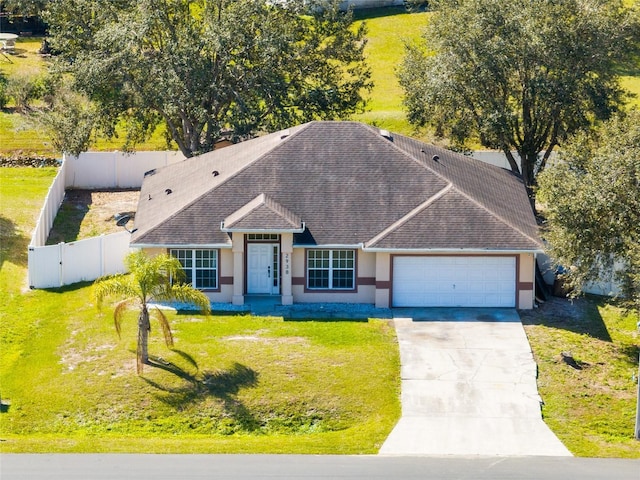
(90, 213)
(556, 310)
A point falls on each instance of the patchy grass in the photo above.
(232, 384)
(587, 355)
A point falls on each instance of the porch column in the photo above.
(237, 247)
(286, 248)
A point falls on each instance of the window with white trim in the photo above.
(263, 237)
(331, 269)
(200, 267)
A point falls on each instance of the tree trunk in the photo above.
(144, 326)
(527, 165)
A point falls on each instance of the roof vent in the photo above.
(215, 173)
(148, 173)
(435, 158)
(168, 191)
(284, 134)
(386, 134)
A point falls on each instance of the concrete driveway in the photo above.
(468, 386)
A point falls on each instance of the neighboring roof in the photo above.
(349, 184)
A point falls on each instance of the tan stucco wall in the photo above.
(525, 299)
(527, 270)
(153, 252)
(374, 267)
(365, 294)
(297, 263)
(225, 295)
(366, 264)
(526, 278)
(383, 277)
(226, 262)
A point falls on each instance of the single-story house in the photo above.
(343, 212)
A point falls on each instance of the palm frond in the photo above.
(118, 312)
(121, 285)
(164, 325)
(154, 275)
(187, 294)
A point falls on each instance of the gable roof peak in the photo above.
(262, 214)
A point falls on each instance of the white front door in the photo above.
(263, 260)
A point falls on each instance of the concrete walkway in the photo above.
(468, 386)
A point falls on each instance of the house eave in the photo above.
(329, 245)
(188, 245)
(301, 229)
(448, 251)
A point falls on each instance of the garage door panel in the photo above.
(454, 281)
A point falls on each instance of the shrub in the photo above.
(4, 98)
(23, 89)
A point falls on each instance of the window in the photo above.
(263, 237)
(200, 267)
(331, 269)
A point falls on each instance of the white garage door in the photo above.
(454, 281)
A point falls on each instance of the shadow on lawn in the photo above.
(224, 385)
(630, 353)
(580, 316)
(13, 245)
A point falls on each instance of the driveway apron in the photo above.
(468, 386)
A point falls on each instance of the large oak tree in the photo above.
(592, 205)
(210, 68)
(518, 74)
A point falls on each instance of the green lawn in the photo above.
(17, 134)
(389, 30)
(232, 383)
(590, 403)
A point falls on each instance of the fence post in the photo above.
(101, 255)
(60, 263)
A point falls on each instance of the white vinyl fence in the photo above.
(85, 260)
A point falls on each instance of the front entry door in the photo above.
(262, 268)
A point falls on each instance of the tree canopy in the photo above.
(23, 7)
(592, 205)
(210, 68)
(518, 74)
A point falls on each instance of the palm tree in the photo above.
(149, 279)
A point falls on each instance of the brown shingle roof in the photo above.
(262, 213)
(348, 184)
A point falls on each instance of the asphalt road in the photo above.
(306, 467)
